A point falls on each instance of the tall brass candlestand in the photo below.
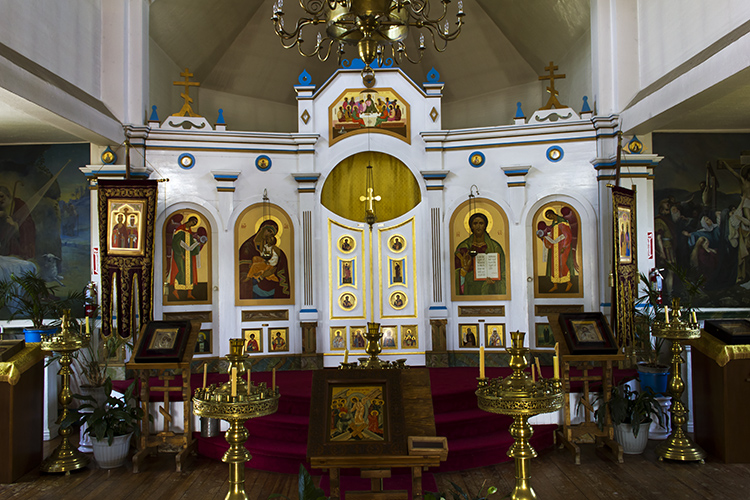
(249, 401)
(65, 457)
(520, 397)
(678, 445)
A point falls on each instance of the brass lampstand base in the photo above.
(678, 445)
(236, 456)
(65, 457)
(522, 452)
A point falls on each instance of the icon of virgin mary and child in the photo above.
(264, 270)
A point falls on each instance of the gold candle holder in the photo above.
(65, 457)
(250, 401)
(373, 348)
(520, 397)
(678, 446)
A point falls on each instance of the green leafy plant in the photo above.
(457, 493)
(118, 416)
(93, 360)
(647, 307)
(306, 486)
(629, 407)
(29, 296)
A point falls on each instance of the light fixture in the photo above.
(472, 211)
(266, 250)
(374, 26)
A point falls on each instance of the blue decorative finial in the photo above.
(519, 111)
(305, 78)
(220, 120)
(154, 117)
(585, 108)
(433, 76)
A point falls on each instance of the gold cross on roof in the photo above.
(186, 109)
(551, 89)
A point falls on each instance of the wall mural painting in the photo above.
(702, 216)
(45, 214)
(557, 251)
(479, 242)
(187, 259)
(264, 246)
(369, 110)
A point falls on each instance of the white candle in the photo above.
(234, 381)
(538, 367)
(481, 362)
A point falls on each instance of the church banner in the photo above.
(127, 214)
(625, 265)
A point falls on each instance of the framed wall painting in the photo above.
(624, 235)
(379, 110)
(347, 272)
(557, 251)
(278, 339)
(544, 336)
(264, 250)
(397, 243)
(357, 340)
(338, 338)
(479, 244)
(360, 412)
(494, 335)
(187, 259)
(467, 335)
(253, 340)
(390, 337)
(347, 243)
(409, 337)
(587, 333)
(162, 341)
(125, 226)
(397, 272)
(347, 301)
(398, 300)
(204, 343)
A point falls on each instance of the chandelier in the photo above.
(377, 27)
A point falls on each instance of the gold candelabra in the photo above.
(678, 445)
(65, 457)
(236, 401)
(521, 397)
(373, 348)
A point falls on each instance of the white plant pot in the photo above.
(110, 457)
(632, 445)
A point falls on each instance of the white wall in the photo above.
(673, 31)
(45, 31)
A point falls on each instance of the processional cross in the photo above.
(369, 198)
(551, 89)
(186, 109)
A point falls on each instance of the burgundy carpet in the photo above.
(476, 438)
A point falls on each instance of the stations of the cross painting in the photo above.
(552, 102)
(186, 109)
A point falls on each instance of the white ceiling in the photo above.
(230, 47)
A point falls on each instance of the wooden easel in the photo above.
(166, 440)
(570, 435)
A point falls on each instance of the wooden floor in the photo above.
(553, 476)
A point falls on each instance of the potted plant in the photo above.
(653, 372)
(30, 297)
(631, 413)
(92, 363)
(110, 425)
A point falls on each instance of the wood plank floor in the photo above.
(553, 476)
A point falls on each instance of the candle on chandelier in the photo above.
(234, 382)
(205, 373)
(248, 380)
(88, 331)
(481, 362)
(538, 367)
(346, 356)
(666, 314)
(695, 319)
(556, 360)
(273, 380)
